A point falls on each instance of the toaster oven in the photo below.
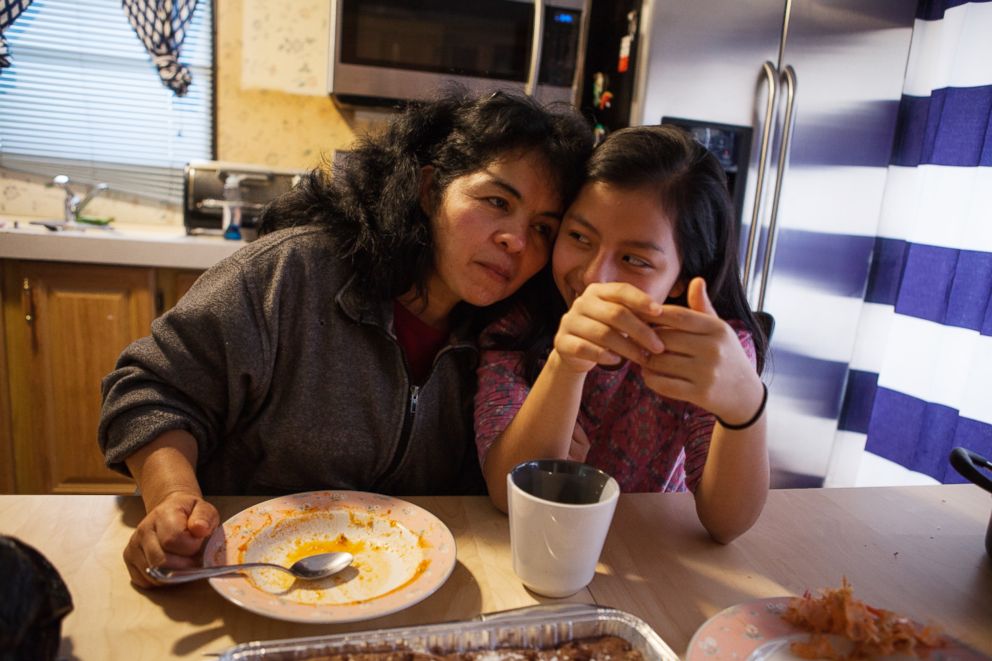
(248, 187)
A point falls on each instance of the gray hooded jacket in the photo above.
(291, 381)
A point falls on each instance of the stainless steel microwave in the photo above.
(384, 51)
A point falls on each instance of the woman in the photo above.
(653, 374)
(338, 350)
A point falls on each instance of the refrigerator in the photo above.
(799, 99)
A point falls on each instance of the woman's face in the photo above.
(611, 234)
(493, 230)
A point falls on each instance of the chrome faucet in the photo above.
(74, 204)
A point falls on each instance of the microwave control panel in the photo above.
(559, 54)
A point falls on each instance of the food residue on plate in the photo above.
(388, 556)
(355, 520)
(401, 554)
(871, 631)
(306, 547)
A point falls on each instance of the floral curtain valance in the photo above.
(9, 11)
(160, 25)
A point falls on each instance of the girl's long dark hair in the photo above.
(370, 199)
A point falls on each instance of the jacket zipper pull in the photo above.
(414, 395)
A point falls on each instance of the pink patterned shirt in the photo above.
(646, 441)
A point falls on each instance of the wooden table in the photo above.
(918, 550)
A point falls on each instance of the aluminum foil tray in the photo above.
(531, 627)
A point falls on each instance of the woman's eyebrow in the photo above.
(505, 185)
(512, 190)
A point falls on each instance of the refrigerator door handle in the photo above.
(535, 49)
(788, 123)
(771, 78)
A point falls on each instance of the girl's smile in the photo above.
(612, 234)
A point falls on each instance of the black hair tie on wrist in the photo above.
(754, 418)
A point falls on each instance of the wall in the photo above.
(265, 126)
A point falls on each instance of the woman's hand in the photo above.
(703, 361)
(177, 519)
(605, 325)
(171, 534)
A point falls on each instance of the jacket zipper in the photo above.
(414, 395)
(408, 415)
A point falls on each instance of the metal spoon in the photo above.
(309, 568)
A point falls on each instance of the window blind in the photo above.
(82, 98)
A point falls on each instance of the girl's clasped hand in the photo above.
(686, 353)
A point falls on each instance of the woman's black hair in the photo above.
(692, 188)
(370, 199)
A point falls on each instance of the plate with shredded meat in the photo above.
(830, 624)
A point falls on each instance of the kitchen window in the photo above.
(82, 98)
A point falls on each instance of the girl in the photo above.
(338, 351)
(652, 373)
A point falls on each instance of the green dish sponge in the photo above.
(95, 220)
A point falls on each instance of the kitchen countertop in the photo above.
(129, 245)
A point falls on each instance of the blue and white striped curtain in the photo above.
(923, 378)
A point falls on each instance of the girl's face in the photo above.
(493, 230)
(611, 234)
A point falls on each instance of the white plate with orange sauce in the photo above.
(403, 553)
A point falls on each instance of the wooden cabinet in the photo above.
(172, 284)
(65, 326)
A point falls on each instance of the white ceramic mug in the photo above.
(560, 512)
